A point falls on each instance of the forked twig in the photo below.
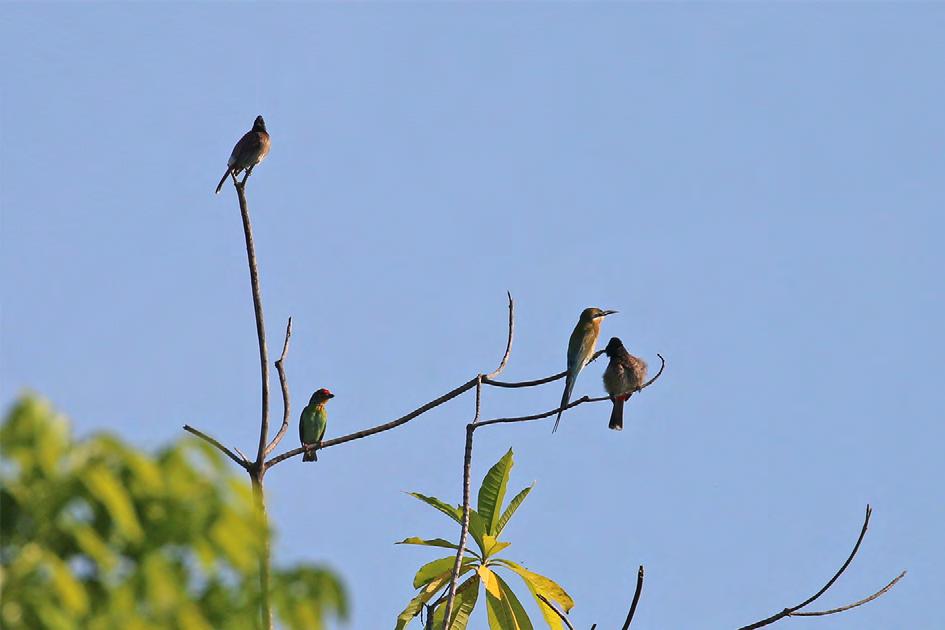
(241, 461)
(284, 384)
(793, 611)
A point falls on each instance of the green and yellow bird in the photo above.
(313, 421)
(580, 350)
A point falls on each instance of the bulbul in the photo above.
(624, 375)
(313, 421)
(580, 350)
(248, 152)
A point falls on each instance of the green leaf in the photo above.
(477, 529)
(416, 604)
(499, 610)
(455, 513)
(105, 487)
(432, 570)
(493, 546)
(434, 542)
(492, 492)
(431, 542)
(70, 591)
(476, 525)
(466, 595)
(546, 587)
(521, 617)
(510, 509)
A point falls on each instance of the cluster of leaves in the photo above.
(503, 608)
(96, 534)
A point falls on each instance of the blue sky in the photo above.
(757, 188)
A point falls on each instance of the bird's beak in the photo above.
(331, 395)
(606, 313)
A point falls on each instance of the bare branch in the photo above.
(241, 453)
(793, 611)
(636, 591)
(464, 530)
(540, 381)
(225, 450)
(573, 403)
(508, 346)
(865, 600)
(555, 610)
(658, 373)
(284, 383)
(381, 427)
(260, 324)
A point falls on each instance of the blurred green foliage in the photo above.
(95, 534)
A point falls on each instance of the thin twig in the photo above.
(573, 403)
(260, 324)
(357, 435)
(793, 611)
(241, 453)
(547, 603)
(540, 381)
(636, 596)
(429, 623)
(882, 591)
(242, 462)
(464, 530)
(284, 383)
(508, 345)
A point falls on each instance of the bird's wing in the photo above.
(580, 348)
(320, 423)
(247, 150)
(306, 426)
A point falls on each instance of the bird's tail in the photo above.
(310, 456)
(568, 386)
(616, 416)
(220, 185)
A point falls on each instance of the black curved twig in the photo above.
(555, 610)
(793, 611)
(636, 596)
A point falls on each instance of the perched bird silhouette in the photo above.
(248, 152)
(313, 421)
(580, 350)
(623, 375)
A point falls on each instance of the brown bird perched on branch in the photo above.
(248, 152)
(623, 376)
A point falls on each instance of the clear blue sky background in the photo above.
(757, 188)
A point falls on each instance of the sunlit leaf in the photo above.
(416, 604)
(453, 512)
(106, 488)
(465, 600)
(436, 568)
(492, 492)
(518, 611)
(498, 609)
(510, 509)
(546, 587)
(493, 546)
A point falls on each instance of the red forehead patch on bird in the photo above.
(324, 392)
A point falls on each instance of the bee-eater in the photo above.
(581, 349)
(624, 374)
(313, 421)
(248, 152)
